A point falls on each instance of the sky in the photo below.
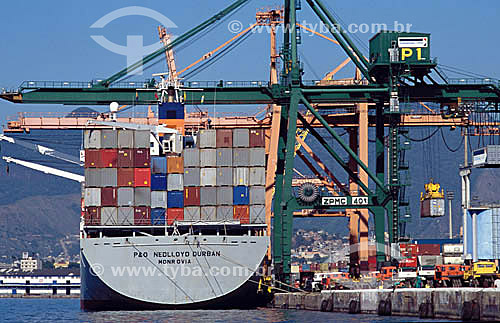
(52, 40)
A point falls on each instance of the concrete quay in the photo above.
(476, 304)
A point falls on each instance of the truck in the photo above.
(387, 273)
(449, 275)
(481, 274)
(407, 274)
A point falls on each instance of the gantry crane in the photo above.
(394, 74)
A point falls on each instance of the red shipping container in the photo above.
(125, 158)
(141, 157)
(109, 158)
(92, 158)
(126, 177)
(409, 249)
(142, 215)
(109, 196)
(142, 177)
(429, 249)
(257, 138)
(224, 138)
(174, 214)
(242, 213)
(92, 215)
(408, 262)
(191, 196)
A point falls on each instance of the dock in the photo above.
(477, 304)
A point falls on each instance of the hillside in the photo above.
(38, 223)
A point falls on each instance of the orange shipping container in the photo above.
(175, 165)
(242, 213)
(142, 177)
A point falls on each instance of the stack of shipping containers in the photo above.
(117, 177)
(169, 175)
(221, 179)
(224, 176)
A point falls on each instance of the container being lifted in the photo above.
(432, 201)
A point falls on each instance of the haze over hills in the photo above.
(38, 210)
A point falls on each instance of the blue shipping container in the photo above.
(158, 182)
(240, 195)
(159, 165)
(158, 216)
(170, 111)
(175, 199)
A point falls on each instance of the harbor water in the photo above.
(68, 310)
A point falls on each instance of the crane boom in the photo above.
(45, 169)
(43, 150)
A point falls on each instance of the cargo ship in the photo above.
(173, 220)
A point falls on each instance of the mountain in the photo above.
(40, 224)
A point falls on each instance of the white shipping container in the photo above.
(208, 177)
(257, 214)
(159, 199)
(427, 260)
(225, 195)
(257, 176)
(192, 213)
(109, 216)
(241, 157)
(257, 195)
(224, 176)
(257, 157)
(241, 176)
(142, 138)
(92, 139)
(224, 157)
(191, 157)
(125, 139)
(208, 213)
(452, 260)
(241, 138)
(208, 157)
(224, 213)
(175, 182)
(125, 196)
(92, 197)
(207, 139)
(125, 216)
(453, 248)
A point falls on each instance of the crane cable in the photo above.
(213, 59)
(422, 139)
